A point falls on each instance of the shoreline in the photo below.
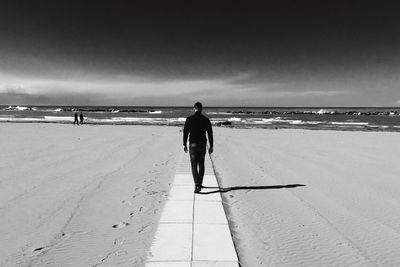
(353, 119)
(369, 128)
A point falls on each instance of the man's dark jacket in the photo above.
(197, 125)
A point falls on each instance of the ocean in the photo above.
(361, 118)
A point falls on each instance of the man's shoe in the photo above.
(197, 189)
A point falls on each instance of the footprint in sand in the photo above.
(126, 202)
(120, 225)
(138, 194)
(41, 250)
(66, 235)
(144, 228)
(233, 203)
(143, 209)
(120, 253)
(119, 241)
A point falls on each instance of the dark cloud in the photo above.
(281, 41)
(19, 97)
(170, 37)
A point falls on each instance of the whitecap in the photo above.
(17, 108)
(296, 122)
(155, 112)
(21, 108)
(219, 113)
(349, 123)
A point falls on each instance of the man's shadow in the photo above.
(227, 189)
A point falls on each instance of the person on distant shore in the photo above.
(76, 118)
(196, 127)
(81, 117)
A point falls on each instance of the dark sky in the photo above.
(291, 53)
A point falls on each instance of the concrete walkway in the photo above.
(193, 229)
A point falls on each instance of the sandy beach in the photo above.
(347, 214)
(82, 196)
(92, 195)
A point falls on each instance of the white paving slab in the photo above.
(193, 229)
(208, 197)
(181, 192)
(208, 212)
(215, 264)
(213, 242)
(172, 242)
(177, 212)
(170, 264)
(183, 179)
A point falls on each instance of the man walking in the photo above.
(76, 118)
(196, 127)
(81, 117)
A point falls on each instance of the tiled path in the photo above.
(193, 229)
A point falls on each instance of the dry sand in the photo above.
(93, 195)
(63, 188)
(348, 212)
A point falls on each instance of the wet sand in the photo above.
(93, 195)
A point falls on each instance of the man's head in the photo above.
(198, 107)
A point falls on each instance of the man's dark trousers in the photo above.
(197, 154)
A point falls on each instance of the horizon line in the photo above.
(204, 107)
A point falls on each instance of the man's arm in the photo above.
(185, 134)
(210, 137)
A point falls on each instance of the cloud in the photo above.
(137, 90)
(306, 93)
(23, 98)
(12, 89)
(241, 89)
(122, 85)
(112, 89)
